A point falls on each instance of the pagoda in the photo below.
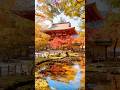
(61, 35)
(61, 30)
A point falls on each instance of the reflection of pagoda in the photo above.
(61, 30)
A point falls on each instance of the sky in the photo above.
(75, 22)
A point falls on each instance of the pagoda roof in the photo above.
(69, 31)
(92, 13)
(61, 28)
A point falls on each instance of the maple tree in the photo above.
(61, 42)
(54, 7)
(41, 39)
(56, 43)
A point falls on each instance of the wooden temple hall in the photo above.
(61, 30)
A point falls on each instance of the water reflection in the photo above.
(60, 74)
(71, 85)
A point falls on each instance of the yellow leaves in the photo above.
(43, 7)
(82, 34)
(83, 15)
(37, 30)
(70, 8)
(76, 14)
(41, 39)
(37, 43)
(73, 9)
(40, 0)
(78, 6)
(41, 84)
(80, 0)
(49, 14)
(83, 25)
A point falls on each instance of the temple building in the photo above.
(60, 34)
(61, 30)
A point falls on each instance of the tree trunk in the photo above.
(115, 47)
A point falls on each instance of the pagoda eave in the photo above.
(69, 31)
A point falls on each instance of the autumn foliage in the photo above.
(60, 42)
(41, 39)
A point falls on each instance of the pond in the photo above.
(71, 85)
(62, 77)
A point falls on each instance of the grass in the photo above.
(39, 59)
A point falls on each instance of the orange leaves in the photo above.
(59, 42)
(56, 43)
(79, 40)
(40, 15)
(40, 0)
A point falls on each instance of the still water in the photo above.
(71, 85)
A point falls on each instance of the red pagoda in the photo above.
(61, 34)
(61, 30)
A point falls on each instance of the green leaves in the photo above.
(69, 7)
